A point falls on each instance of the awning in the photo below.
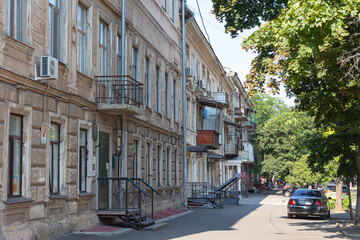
(214, 156)
(210, 103)
(196, 149)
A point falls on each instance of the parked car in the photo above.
(289, 190)
(306, 202)
(330, 191)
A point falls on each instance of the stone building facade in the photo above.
(58, 134)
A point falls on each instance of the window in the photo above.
(175, 105)
(148, 164)
(198, 71)
(83, 160)
(81, 48)
(103, 48)
(16, 19)
(135, 159)
(54, 158)
(159, 166)
(15, 156)
(118, 55)
(147, 83)
(168, 167)
(167, 95)
(194, 116)
(54, 28)
(173, 10)
(134, 62)
(158, 89)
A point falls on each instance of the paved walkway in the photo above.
(261, 216)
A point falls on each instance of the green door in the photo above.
(103, 185)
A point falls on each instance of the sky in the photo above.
(227, 49)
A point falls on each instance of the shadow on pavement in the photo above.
(201, 220)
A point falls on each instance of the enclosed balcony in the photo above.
(244, 154)
(221, 97)
(119, 95)
(239, 114)
(231, 150)
(208, 138)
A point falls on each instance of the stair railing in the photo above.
(139, 180)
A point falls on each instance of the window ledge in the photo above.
(84, 77)
(23, 47)
(58, 196)
(87, 194)
(16, 200)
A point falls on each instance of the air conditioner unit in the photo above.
(49, 67)
(189, 72)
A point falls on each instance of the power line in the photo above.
(197, 2)
(193, 9)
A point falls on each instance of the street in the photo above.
(260, 216)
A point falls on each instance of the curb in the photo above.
(173, 217)
(106, 234)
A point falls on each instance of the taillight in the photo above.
(292, 202)
(318, 203)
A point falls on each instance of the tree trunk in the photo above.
(350, 204)
(357, 214)
(338, 204)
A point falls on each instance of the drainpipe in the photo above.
(184, 96)
(123, 117)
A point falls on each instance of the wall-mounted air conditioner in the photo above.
(49, 67)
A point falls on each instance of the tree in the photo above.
(278, 140)
(267, 107)
(312, 47)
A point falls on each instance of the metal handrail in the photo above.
(127, 179)
(153, 189)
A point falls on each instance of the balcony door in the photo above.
(103, 186)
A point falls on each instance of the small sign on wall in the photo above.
(43, 134)
(94, 131)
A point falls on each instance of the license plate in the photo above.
(305, 202)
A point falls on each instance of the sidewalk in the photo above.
(112, 231)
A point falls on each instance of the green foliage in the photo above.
(279, 140)
(267, 107)
(301, 173)
(246, 14)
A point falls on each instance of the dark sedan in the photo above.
(306, 202)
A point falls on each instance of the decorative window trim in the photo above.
(18, 45)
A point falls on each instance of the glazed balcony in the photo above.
(119, 95)
(244, 154)
(221, 97)
(231, 149)
(208, 138)
(239, 114)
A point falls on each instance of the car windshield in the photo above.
(332, 188)
(309, 193)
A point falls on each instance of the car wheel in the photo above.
(287, 194)
(290, 216)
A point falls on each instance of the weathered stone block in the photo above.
(37, 101)
(72, 143)
(2, 110)
(51, 104)
(11, 94)
(76, 111)
(36, 136)
(37, 212)
(73, 127)
(2, 131)
(131, 127)
(72, 207)
(38, 176)
(41, 160)
(72, 191)
(63, 107)
(37, 118)
(71, 176)
(72, 159)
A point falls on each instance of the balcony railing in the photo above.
(119, 95)
(207, 138)
(221, 97)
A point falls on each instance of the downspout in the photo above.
(184, 97)
(123, 117)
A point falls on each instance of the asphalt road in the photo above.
(257, 217)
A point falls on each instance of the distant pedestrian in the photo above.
(269, 185)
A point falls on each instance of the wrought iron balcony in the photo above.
(221, 97)
(119, 95)
(239, 114)
(208, 138)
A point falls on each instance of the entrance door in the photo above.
(103, 185)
